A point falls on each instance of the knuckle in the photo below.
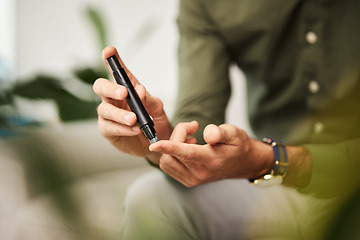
(240, 133)
(102, 125)
(106, 111)
(164, 162)
(203, 175)
(162, 165)
(187, 185)
(158, 102)
(101, 109)
(109, 128)
(194, 182)
(113, 114)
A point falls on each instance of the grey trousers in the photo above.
(158, 207)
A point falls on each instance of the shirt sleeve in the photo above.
(335, 168)
(204, 86)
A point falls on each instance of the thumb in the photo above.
(224, 133)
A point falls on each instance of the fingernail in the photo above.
(151, 147)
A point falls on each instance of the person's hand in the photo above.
(229, 153)
(117, 122)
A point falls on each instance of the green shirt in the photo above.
(301, 60)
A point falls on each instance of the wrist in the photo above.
(264, 157)
(297, 172)
(279, 164)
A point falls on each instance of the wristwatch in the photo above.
(280, 166)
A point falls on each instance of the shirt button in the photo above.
(311, 37)
(314, 86)
(318, 127)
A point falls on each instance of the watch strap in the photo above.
(280, 165)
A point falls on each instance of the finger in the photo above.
(175, 169)
(212, 134)
(111, 51)
(109, 129)
(190, 176)
(145, 96)
(224, 133)
(182, 151)
(190, 140)
(183, 130)
(141, 92)
(106, 89)
(115, 114)
(152, 104)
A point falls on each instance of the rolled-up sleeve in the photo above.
(204, 87)
(335, 168)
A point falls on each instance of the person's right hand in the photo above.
(117, 122)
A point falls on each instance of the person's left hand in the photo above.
(229, 153)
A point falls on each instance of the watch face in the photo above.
(268, 181)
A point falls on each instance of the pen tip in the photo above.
(153, 140)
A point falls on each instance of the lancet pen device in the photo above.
(143, 119)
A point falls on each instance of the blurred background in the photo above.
(59, 179)
(62, 39)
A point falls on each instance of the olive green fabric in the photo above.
(283, 47)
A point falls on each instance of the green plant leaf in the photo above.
(98, 24)
(89, 75)
(47, 87)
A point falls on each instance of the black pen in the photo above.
(143, 119)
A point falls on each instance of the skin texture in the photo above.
(115, 120)
(228, 153)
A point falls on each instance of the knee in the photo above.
(153, 209)
(146, 193)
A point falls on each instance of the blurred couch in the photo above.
(95, 175)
